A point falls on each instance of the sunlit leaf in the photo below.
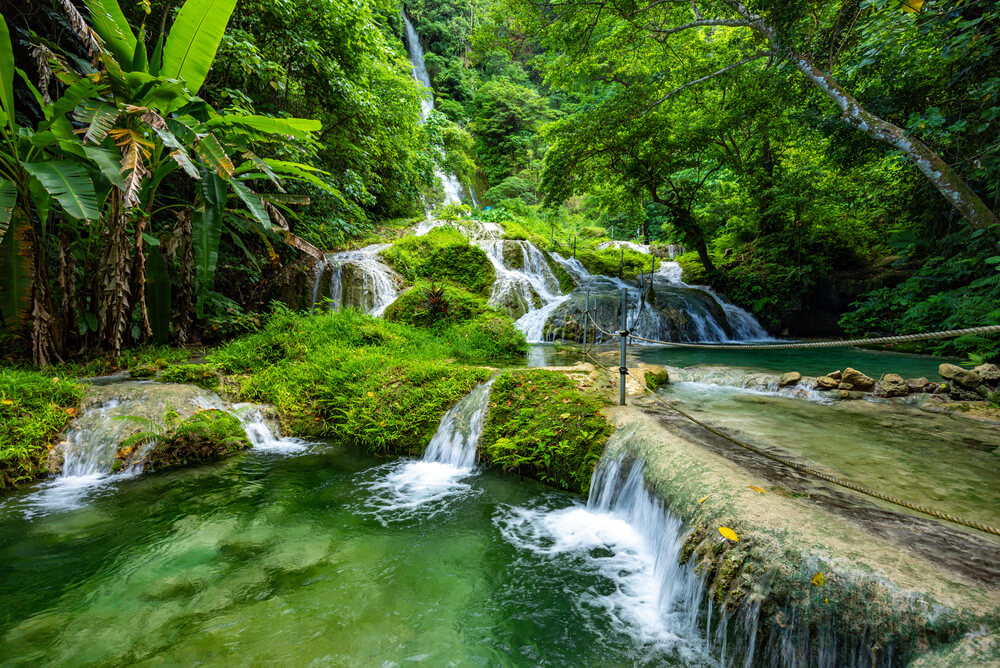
(729, 534)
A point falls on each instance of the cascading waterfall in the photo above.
(452, 186)
(525, 285)
(372, 287)
(624, 535)
(90, 449)
(677, 312)
(410, 485)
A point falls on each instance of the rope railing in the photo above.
(842, 482)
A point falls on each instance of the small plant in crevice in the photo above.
(435, 303)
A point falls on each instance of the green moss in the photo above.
(541, 426)
(658, 379)
(34, 408)
(442, 254)
(208, 434)
(608, 260)
(202, 375)
(488, 336)
(416, 306)
(566, 282)
(141, 358)
(345, 375)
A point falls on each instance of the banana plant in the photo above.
(36, 170)
(140, 120)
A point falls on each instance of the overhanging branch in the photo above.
(707, 77)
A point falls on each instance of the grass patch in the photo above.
(202, 375)
(208, 434)
(381, 385)
(540, 425)
(34, 408)
(442, 254)
(608, 260)
(143, 362)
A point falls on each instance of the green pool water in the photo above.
(306, 560)
(807, 361)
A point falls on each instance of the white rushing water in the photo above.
(625, 535)
(451, 184)
(405, 486)
(375, 285)
(90, 449)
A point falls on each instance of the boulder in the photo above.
(988, 372)
(789, 378)
(835, 374)
(858, 380)
(846, 395)
(957, 393)
(917, 384)
(959, 376)
(845, 386)
(826, 383)
(657, 379)
(892, 385)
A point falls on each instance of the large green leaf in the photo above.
(110, 23)
(253, 202)
(297, 128)
(70, 184)
(206, 228)
(8, 200)
(6, 76)
(15, 273)
(158, 295)
(109, 162)
(97, 117)
(194, 40)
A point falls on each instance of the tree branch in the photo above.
(701, 23)
(707, 77)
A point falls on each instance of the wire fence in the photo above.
(625, 333)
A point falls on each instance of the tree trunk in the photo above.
(956, 191)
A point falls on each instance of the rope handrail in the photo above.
(923, 336)
(842, 482)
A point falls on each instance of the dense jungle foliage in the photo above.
(165, 167)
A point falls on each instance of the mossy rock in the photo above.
(202, 375)
(443, 254)
(415, 306)
(657, 379)
(206, 435)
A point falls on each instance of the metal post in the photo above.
(622, 369)
(652, 270)
(621, 264)
(552, 239)
(642, 277)
(612, 232)
(574, 246)
(586, 322)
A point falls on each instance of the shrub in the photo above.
(541, 426)
(511, 187)
(487, 336)
(202, 375)
(416, 308)
(34, 408)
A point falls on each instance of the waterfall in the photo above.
(418, 485)
(626, 537)
(372, 284)
(525, 285)
(452, 187)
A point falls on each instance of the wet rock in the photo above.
(892, 385)
(958, 393)
(657, 379)
(959, 376)
(847, 395)
(917, 384)
(789, 378)
(988, 372)
(826, 383)
(858, 380)
(835, 374)
(845, 386)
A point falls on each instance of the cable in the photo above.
(810, 471)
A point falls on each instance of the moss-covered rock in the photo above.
(428, 305)
(657, 379)
(202, 375)
(540, 425)
(443, 254)
(206, 435)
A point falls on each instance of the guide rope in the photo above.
(842, 482)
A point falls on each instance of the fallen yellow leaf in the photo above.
(564, 416)
(759, 490)
(371, 394)
(729, 534)
(819, 579)
(702, 499)
(7, 402)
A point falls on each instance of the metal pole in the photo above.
(642, 278)
(612, 232)
(622, 369)
(621, 264)
(552, 239)
(574, 246)
(586, 319)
